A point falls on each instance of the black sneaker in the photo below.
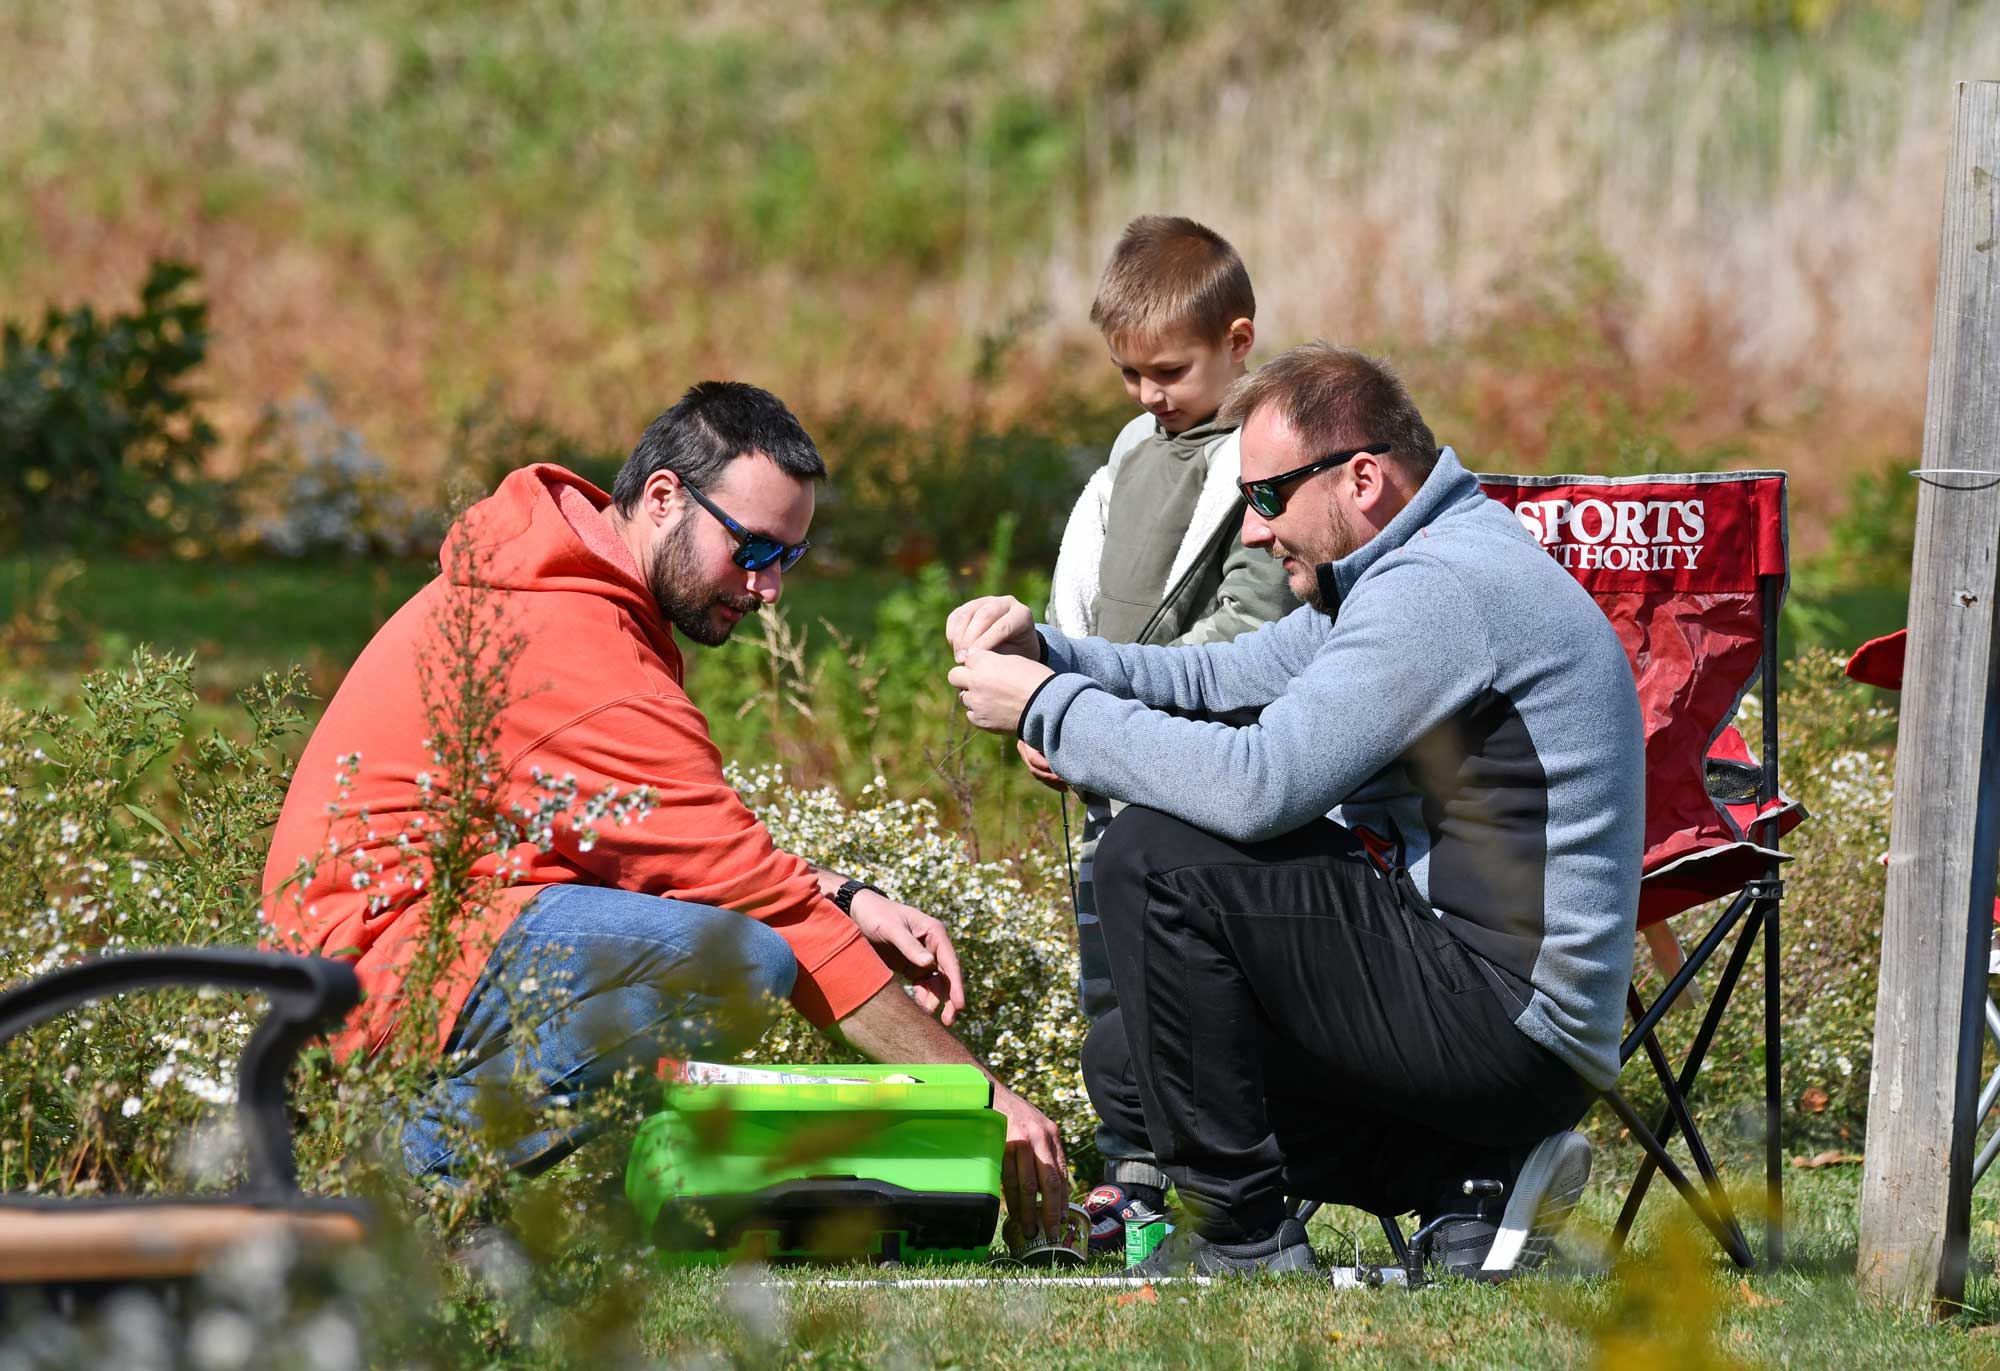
(1186, 1253)
(1458, 1246)
(1546, 1188)
(1111, 1207)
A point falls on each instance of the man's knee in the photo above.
(753, 957)
(1139, 841)
(772, 966)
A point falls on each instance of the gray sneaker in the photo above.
(1478, 1246)
(1187, 1253)
(1550, 1183)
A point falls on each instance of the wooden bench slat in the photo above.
(151, 1242)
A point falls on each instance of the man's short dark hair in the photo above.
(1336, 398)
(711, 426)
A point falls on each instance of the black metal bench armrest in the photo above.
(306, 995)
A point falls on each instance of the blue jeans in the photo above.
(586, 982)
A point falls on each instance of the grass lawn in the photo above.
(244, 618)
(1675, 1304)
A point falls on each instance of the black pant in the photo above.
(1293, 1019)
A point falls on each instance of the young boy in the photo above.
(1151, 553)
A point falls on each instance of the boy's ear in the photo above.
(1242, 337)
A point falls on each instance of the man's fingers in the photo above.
(909, 945)
(1019, 1183)
(947, 964)
(1053, 1179)
(996, 635)
(933, 996)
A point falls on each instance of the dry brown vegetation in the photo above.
(1596, 225)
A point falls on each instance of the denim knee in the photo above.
(772, 967)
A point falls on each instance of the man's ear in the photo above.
(661, 497)
(1242, 337)
(1371, 480)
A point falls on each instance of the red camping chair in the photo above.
(1691, 570)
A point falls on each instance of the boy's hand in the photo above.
(993, 623)
(995, 690)
(1039, 768)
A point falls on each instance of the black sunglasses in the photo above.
(754, 551)
(1264, 497)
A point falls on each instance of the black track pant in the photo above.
(1294, 1020)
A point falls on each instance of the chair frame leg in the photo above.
(1770, 895)
(1728, 1235)
(1677, 1091)
(1774, 1148)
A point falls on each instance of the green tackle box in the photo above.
(881, 1170)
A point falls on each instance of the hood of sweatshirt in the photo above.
(530, 534)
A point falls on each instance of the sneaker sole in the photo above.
(1548, 1188)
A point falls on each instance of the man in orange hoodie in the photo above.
(603, 945)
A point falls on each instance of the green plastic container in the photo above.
(881, 1171)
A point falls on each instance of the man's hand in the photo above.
(917, 948)
(995, 690)
(1034, 1174)
(993, 623)
(1039, 768)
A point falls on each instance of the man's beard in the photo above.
(1341, 542)
(675, 583)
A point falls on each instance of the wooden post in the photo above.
(1916, 1193)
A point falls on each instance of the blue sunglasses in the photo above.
(754, 551)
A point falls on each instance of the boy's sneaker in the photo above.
(1112, 1207)
(1545, 1190)
(1186, 1253)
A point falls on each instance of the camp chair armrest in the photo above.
(306, 995)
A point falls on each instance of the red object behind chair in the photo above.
(1674, 562)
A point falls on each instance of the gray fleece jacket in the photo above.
(1461, 697)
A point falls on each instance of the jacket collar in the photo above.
(1446, 490)
(1194, 436)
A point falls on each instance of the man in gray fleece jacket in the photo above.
(1372, 947)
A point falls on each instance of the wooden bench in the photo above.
(67, 1243)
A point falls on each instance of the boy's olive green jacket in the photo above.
(1217, 589)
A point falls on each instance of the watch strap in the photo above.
(843, 898)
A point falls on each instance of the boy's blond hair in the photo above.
(1169, 273)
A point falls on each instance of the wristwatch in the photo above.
(843, 898)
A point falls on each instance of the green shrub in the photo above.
(321, 491)
(100, 440)
(125, 831)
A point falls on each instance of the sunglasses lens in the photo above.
(757, 553)
(1265, 501)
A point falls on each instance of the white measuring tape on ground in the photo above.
(1339, 1277)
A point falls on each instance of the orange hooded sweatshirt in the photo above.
(594, 693)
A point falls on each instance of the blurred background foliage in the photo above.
(1583, 226)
